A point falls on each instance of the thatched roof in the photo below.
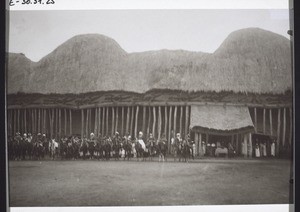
(221, 119)
(249, 60)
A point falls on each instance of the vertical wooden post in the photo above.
(154, 120)
(232, 138)
(284, 127)
(237, 144)
(159, 122)
(201, 153)
(207, 138)
(264, 121)
(187, 117)
(99, 121)
(15, 120)
(96, 122)
(103, 118)
(65, 113)
(18, 125)
(82, 122)
(25, 121)
(122, 123)
(39, 120)
(87, 124)
(45, 121)
(170, 129)
(117, 119)
(32, 120)
(278, 131)
(291, 127)
(127, 121)
(71, 125)
(59, 122)
(166, 121)
(255, 119)
(113, 121)
(245, 145)
(197, 142)
(149, 121)
(131, 122)
(175, 120)
(90, 120)
(144, 119)
(106, 127)
(271, 122)
(180, 120)
(136, 120)
(251, 145)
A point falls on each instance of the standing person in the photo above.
(203, 148)
(273, 148)
(257, 150)
(264, 148)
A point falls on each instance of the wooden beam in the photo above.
(166, 122)
(180, 120)
(136, 120)
(175, 120)
(284, 127)
(144, 120)
(50, 123)
(90, 121)
(159, 122)
(131, 122)
(271, 121)
(127, 121)
(122, 122)
(71, 124)
(197, 141)
(255, 119)
(117, 119)
(154, 120)
(149, 121)
(291, 127)
(264, 121)
(245, 146)
(237, 143)
(170, 129)
(32, 121)
(278, 131)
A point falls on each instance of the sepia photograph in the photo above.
(149, 107)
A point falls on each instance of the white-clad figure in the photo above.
(264, 149)
(140, 140)
(257, 151)
(273, 149)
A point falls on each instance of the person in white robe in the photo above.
(273, 148)
(141, 141)
(257, 151)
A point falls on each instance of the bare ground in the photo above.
(126, 183)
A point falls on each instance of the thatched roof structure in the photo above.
(221, 119)
(249, 60)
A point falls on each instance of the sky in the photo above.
(38, 33)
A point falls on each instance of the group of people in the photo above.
(264, 148)
(37, 147)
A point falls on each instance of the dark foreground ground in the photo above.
(120, 183)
